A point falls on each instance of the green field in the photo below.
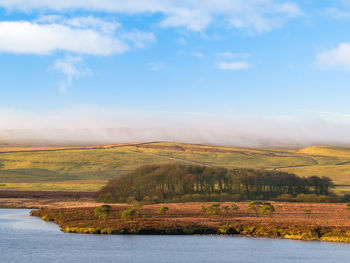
(67, 168)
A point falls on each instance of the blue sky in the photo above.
(283, 62)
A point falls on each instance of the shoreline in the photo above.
(186, 219)
(326, 222)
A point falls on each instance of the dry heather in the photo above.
(307, 221)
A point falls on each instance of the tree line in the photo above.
(176, 182)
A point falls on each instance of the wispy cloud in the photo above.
(195, 15)
(156, 66)
(195, 54)
(138, 38)
(233, 65)
(336, 13)
(72, 68)
(338, 57)
(182, 41)
(231, 55)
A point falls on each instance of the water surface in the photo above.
(28, 239)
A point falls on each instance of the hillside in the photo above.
(63, 168)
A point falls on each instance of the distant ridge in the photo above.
(86, 137)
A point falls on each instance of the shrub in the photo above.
(163, 210)
(225, 208)
(213, 209)
(136, 204)
(103, 211)
(267, 209)
(348, 206)
(234, 207)
(254, 206)
(129, 213)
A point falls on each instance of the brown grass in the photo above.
(328, 222)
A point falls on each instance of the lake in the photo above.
(28, 239)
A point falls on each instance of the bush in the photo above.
(267, 209)
(129, 213)
(348, 206)
(136, 204)
(256, 206)
(225, 208)
(163, 210)
(103, 211)
(213, 209)
(234, 207)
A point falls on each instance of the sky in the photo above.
(232, 72)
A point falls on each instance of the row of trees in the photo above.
(171, 181)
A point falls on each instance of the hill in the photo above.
(65, 168)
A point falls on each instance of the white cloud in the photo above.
(196, 15)
(233, 65)
(192, 19)
(84, 35)
(338, 57)
(71, 67)
(33, 38)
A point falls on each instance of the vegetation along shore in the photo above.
(303, 221)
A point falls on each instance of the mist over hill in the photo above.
(89, 125)
(84, 137)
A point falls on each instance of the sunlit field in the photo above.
(88, 168)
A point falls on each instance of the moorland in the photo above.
(303, 221)
(64, 182)
(89, 168)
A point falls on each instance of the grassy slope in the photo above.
(26, 168)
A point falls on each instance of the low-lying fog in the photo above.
(86, 126)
